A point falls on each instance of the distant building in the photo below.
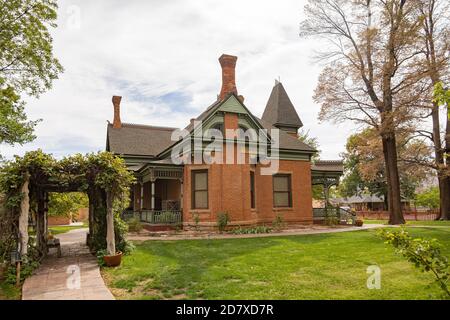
(367, 203)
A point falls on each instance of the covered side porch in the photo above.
(328, 174)
(157, 197)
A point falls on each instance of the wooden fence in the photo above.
(408, 215)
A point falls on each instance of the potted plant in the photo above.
(113, 260)
(359, 222)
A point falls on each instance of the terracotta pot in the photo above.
(359, 223)
(113, 261)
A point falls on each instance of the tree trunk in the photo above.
(110, 237)
(392, 179)
(446, 213)
(23, 218)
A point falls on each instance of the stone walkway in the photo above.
(314, 229)
(74, 276)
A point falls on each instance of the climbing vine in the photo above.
(102, 176)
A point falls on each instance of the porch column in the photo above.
(153, 194)
(142, 196)
(181, 194)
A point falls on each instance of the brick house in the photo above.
(168, 191)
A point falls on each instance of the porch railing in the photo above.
(344, 216)
(155, 216)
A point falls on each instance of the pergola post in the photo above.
(23, 218)
(110, 236)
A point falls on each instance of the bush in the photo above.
(196, 218)
(222, 220)
(278, 223)
(424, 254)
(134, 225)
(254, 230)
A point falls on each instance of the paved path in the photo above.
(74, 276)
(314, 229)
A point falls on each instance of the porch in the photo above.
(157, 197)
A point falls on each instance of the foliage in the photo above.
(424, 254)
(26, 270)
(14, 126)
(65, 204)
(365, 169)
(441, 96)
(94, 173)
(305, 137)
(196, 218)
(222, 220)
(27, 64)
(134, 225)
(253, 230)
(428, 198)
(331, 220)
(278, 222)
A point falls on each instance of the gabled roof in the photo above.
(136, 139)
(279, 109)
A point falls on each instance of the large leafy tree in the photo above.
(365, 170)
(27, 64)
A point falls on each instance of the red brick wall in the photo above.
(229, 190)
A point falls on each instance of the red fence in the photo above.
(408, 215)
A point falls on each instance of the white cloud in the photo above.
(149, 51)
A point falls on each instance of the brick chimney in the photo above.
(116, 103)
(228, 64)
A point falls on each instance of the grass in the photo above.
(420, 223)
(322, 266)
(63, 229)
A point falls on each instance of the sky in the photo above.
(162, 58)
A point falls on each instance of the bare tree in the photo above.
(371, 75)
(435, 41)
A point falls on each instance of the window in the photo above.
(200, 189)
(252, 189)
(282, 194)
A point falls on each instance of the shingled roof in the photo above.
(286, 140)
(328, 166)
(279, 109)
(140, 140)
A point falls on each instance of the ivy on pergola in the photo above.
(26, 182)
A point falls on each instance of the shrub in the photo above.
(424, 254)
(278, 223)
(196, 218)
(222, 220)
(331, 220)
(254, 230)
(134, 225)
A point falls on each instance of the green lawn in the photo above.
(420, 223)
(63, 229)
(323, 266)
